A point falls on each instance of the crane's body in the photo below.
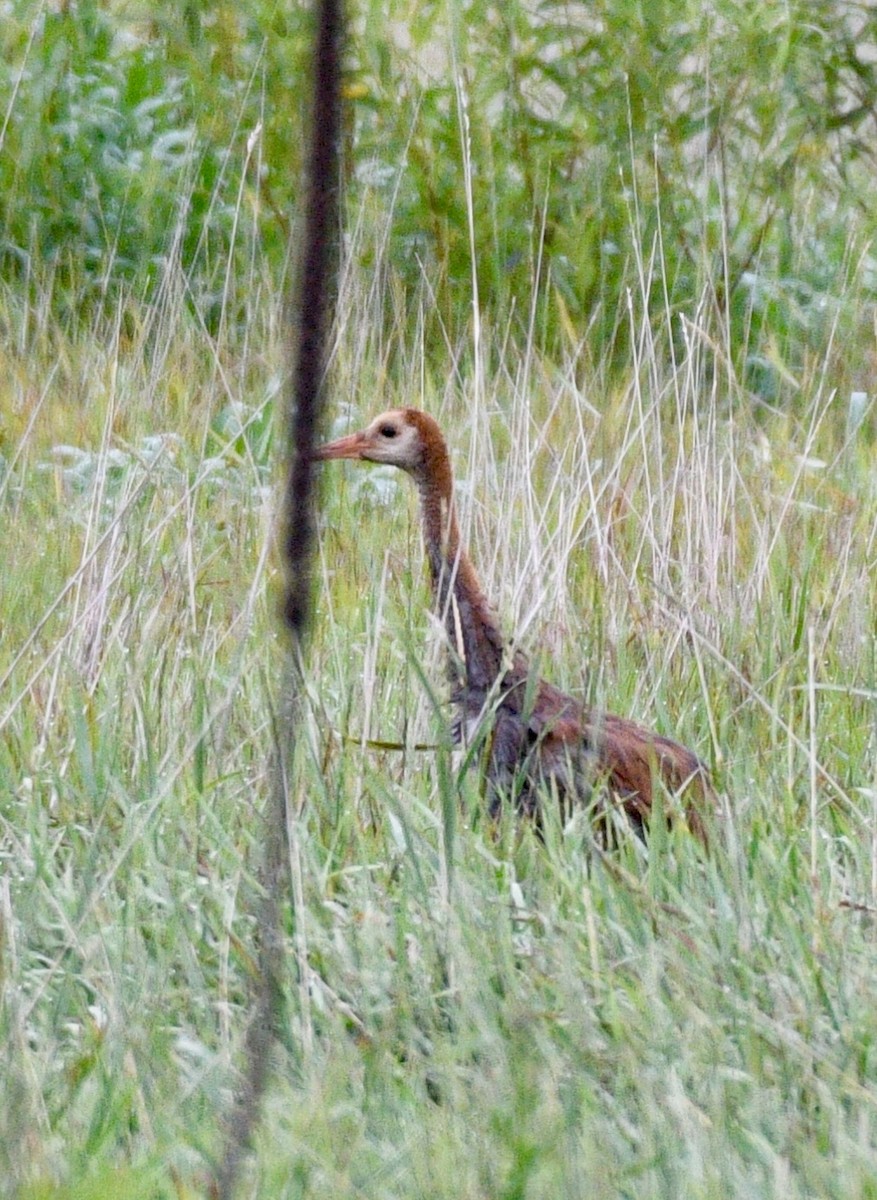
(536, 736)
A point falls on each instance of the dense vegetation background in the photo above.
(738, 138)
(625, 252)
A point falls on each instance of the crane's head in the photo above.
(403, 437)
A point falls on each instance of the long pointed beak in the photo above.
(352, 446)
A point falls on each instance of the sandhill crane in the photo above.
(535, 735)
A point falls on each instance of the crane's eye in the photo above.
(388, 431)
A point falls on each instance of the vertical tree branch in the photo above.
(316, 287)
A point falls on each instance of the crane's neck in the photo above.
(475, 641)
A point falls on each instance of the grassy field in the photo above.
(470, 1013)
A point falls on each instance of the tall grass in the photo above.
(472, 1012)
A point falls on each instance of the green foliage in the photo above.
(126, 142)
(471, 1012)
(564, 147)
(703, 128)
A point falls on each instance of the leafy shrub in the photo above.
(612, 149)
(125, 143)
(731, 141)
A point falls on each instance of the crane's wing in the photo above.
(623, 753)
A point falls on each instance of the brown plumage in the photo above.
(535, 735)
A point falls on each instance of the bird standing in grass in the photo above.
(536, 738)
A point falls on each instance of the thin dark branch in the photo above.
(315, 290)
